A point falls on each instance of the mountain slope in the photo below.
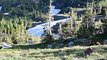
(32, 9)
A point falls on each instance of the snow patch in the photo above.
(0, 8)
(39, 29)
(55, 11)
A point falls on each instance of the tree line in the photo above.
(32, 9)
(14, 30)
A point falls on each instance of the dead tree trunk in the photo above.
(60, 31)
(49, 20)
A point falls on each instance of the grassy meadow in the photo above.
(32, 52)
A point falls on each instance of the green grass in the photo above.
(33, 53)
(104, 3)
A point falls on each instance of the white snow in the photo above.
(0, 8)
(6, 13)
(5, 45)
(55, 11)
(38, 30)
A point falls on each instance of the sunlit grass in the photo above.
(53, 54)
